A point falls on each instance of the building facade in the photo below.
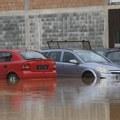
(31, 23)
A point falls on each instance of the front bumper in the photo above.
(111, 76)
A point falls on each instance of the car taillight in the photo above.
(26, 66)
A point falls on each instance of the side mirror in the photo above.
(73, 61)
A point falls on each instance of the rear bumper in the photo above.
(36, 75)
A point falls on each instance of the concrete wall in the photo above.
(12, 31)
(32, 29)
(30, 23)
(68, 20)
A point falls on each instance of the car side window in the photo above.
(68, 56)
(45, 53)
(5, 57)
(115, 56)
(54, 56)
(100, 52)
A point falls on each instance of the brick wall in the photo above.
(44, 4)
(12, 32)
(38, 4)
(11, 5)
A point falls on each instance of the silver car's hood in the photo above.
(109, 66)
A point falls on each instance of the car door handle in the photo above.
(5, 66)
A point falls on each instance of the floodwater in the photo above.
(61, 99)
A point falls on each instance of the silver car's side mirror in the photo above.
(73, 61)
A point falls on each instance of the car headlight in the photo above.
(103, 70)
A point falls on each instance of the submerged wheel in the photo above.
(12, 79)
(88, 78)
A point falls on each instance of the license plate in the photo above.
(42, 67)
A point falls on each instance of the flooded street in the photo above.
(61, 99)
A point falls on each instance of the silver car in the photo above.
(82, 63)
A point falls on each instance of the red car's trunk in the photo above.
(39, 65)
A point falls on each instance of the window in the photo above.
(114, 56)
(45, 53)
(117, 40)
(27, 55)
(68, 56)
(100, 52)
(114, 1)
(55, 56)
(89, 56)
(5, 57)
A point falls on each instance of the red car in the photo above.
(25, 64)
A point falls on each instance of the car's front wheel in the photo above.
(12, 79)
(88, 78)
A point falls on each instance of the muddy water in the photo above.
(61, 99)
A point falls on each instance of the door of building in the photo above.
(114, 27)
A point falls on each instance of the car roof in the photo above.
(108, 49)
(62, 49)
(15, 50)
(54, 49)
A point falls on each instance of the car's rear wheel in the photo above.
(88, 78)
(12, 79)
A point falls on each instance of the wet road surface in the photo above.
(61, 99)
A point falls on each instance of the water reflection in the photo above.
(29, 86)
(115, 111)
(14, 97)
(61, 99)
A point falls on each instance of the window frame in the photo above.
(112, 52)
(25, 55)
(48, 56)
(71, 59)
(5, 57)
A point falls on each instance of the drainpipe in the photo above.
(26, 5)
(26, 8)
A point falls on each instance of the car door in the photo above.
(56, 56)
(69, 69)
(5, 59)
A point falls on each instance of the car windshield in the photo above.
(90, 56)
(27, 55)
